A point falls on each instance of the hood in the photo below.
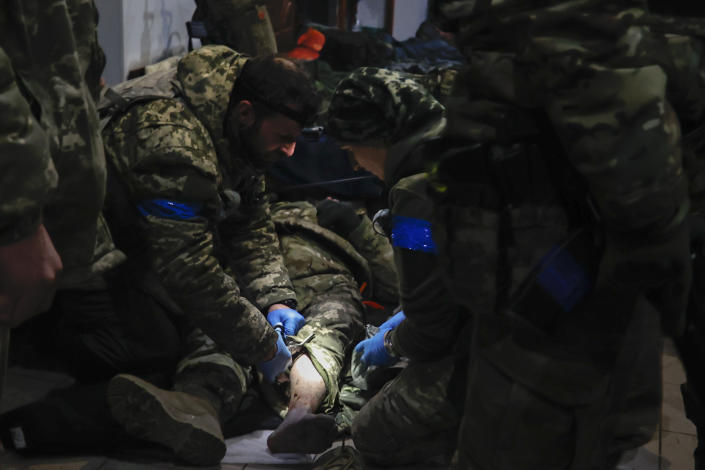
(206, 77)
(373, 104)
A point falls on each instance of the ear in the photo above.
(245, 113)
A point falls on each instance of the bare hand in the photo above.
(28, 270)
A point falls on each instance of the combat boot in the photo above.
(185, 423)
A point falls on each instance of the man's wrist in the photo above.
(291, 303)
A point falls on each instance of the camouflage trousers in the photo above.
(533, 404)
(335, 320)
(334, 326)
(414, 417)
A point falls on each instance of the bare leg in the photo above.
(303, 431)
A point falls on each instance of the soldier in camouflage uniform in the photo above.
(188, 146)
(556, 348)
(53, 172)
(601, 93)
(382, 117)
(327, 266)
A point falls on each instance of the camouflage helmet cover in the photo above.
(373, 104)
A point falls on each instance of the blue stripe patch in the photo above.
(413, 234)
(167, 209)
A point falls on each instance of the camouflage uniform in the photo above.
(327, 272)
(601, 92)
(91, 57)
(51, 128)
(535, 399)
(216, 263)
(243, 25)
(414, 416)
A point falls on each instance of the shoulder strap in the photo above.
(116, 100)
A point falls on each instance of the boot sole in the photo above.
(137, 406)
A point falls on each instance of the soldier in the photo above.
(382, 117)
(53, 182)
(330, 252)
(187, 147)
(507, 226)
(334, 259)
(243, 25)
(618, 167)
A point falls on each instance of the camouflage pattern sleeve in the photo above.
(433, 320)
(162, 152)
(379, 254)
(84, 17)
(27, 173)
(611, 113)
(253, 251)
(599, 75)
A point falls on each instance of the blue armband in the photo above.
(167, 209)
(413, 234)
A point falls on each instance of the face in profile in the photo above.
(269, 139)
(275, 138)
(371, 157)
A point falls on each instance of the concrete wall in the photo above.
(135, 33)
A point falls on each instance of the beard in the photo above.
(255, 154)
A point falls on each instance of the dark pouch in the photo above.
(561, 280)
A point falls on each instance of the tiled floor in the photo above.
(674, 441)
(676, 438)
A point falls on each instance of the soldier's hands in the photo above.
(279, 363)
(28, 270)
(371, 352)
(288, 317)
(393, 321)
(337, 216)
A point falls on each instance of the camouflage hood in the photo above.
(373, 104)
(206, 77)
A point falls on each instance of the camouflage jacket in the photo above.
(319, 259)
(388, 105)
(49, 126)
(218, 259)
(600, 78)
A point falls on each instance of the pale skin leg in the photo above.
(303, 431)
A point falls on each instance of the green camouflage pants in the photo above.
(414, 417)
(210, 373)
(531, 405)
(335, 320)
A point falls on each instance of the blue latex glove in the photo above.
(279, 363)
(290, 318)
(393, 321)
(372, 351)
